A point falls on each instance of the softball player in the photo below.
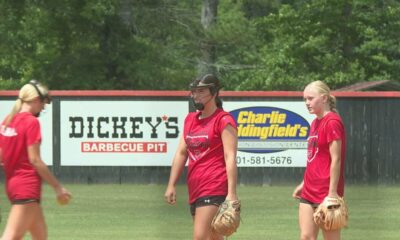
(20, 139)
(324, 174)
(210, 142)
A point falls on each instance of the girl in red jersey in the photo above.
(20, 139)
(210, 142)
(324, 175)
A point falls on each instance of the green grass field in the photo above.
(138, 212)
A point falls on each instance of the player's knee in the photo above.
(213, 236)
(201, 235)
(307, 236)
(39, 234)
(12, 236)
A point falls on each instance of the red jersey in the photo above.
(22, 180)
(206, 169)
(317, 175)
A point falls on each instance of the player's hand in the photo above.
(231, 197)
(170, 195)
(63, 196)
(333, 195)
(297, 191)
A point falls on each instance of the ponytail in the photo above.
(16, 108)
(332, 103)
(218, 101)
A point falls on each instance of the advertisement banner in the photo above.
(271, 134)
(120, 133)
(146, 133)
(46, 124)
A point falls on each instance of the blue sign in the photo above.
(270, 129)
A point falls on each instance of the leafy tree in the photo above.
(327, 40)
(159, 44)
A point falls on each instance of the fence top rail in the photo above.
(247, 94)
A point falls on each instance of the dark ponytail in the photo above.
(218, 101)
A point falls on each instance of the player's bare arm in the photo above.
(335, 151)
(178, 165)
(229, 140)
(63, 196)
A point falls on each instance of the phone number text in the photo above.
(264, 161)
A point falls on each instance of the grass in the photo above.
(268, 213)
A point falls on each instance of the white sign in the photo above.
(120, 133)
(46, 124)
(271, 134)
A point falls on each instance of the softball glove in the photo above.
(227, 219)
(331, 214)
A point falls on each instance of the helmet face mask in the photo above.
(198, 96)
(208, 81)
(198, 106)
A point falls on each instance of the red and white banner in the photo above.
(120, 133)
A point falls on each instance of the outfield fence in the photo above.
(131, 136)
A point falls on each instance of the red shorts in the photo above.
(24, 187)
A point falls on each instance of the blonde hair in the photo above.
(323, 89)
(27, 93)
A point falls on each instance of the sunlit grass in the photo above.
(139, 212)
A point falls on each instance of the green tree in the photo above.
(158, 44)
(338, 41)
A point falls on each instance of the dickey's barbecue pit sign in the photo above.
(120, 133)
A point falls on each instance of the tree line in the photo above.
(164, 44)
